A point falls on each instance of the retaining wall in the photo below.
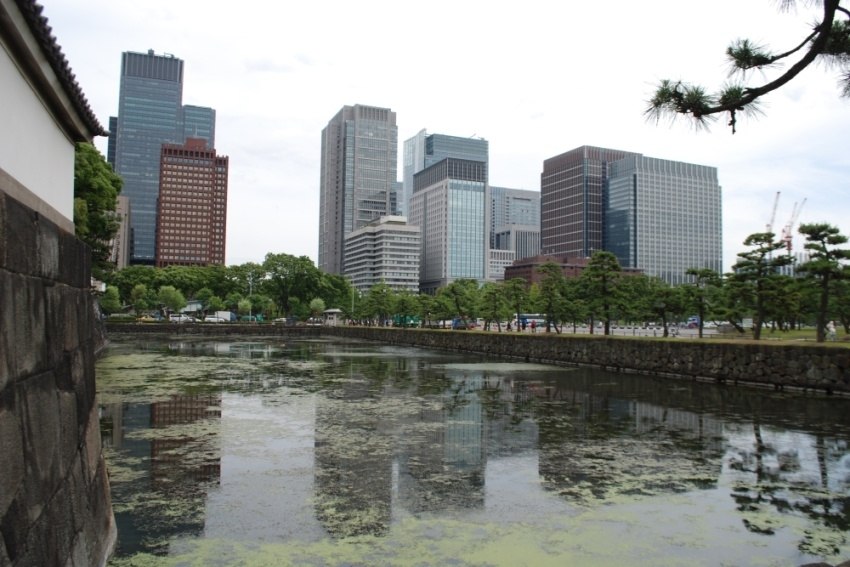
(780, 366)
(807, 366)
(55, 506)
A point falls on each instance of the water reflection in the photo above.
(315, 440)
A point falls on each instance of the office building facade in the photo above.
(150, 114)
(449, 205)
(198, 122)
(424, 150)
(385, 251)
(358, 169)
(192, 210)
(572, 202)
(664, 217)
(522, 240)
(149, 108)
(513, 207)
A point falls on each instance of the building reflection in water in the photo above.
(174, 447)
(399, 431)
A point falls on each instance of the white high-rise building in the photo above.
(384, 251)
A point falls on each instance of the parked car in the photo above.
(214, 319)
(180, 318)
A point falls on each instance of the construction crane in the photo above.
(788, 231)
(773, 213)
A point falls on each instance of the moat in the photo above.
(330, 452)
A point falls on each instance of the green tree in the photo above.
(494, 305)
(215, 303)
(425, 308)
(317, 307)
(826, 264)
(405, 306)
(757, 270)
(700, 291)
(289, 277)
(600, 286)
(128, 278)
(516, 294)
(462, 296)
(96, 189)
(829, 42)
(140, 298)
(379, 303)
(171, 298)
(552, 300)
(110, 302)
(244, 307)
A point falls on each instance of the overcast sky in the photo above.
(534, 78)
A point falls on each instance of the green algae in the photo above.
(626, 492)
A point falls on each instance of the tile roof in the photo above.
(31, 11)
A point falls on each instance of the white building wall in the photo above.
(37, 155)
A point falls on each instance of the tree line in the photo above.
(758, 289)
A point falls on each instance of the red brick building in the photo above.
(571, 267)
(192, 206)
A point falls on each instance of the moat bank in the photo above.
(806, 367)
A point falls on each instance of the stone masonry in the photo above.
(55, 507)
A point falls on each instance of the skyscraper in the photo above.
(424, 150)
(513, 207)
(192, 210)
(198, 122)
(572, 201)
(150, 114)
(664, 217)
(449, 205)
(149, 106)
(358, 169)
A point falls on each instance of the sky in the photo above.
(535, 79)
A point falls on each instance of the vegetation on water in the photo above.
(265, 453)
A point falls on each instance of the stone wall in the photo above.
(55, 507)
(806, 366)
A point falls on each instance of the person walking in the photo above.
(533, 326)
(830, 331)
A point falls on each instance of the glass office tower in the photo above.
(198, 122)
(572, 201)
(358, 170)
(149, 108)
(513, 207)
(424, 150)
(664, 217)
(449, 205)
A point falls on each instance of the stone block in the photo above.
(4, 247)
(74, 261)
(40, 415)
(13, 529)
(92, 453)
(27, 329)
(12, 449)
(47, 250)
(8, 362)
(19, 237)
(69, 431)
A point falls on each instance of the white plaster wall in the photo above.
(33, 149)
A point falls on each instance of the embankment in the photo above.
(805, 367)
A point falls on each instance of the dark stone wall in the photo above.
(55, 507)
(805, 366)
